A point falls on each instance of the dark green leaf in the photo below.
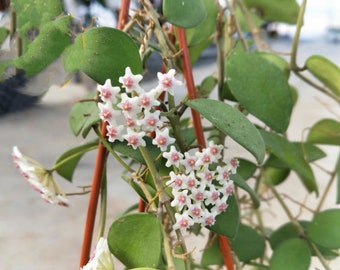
(184, 13)
(239, 181)
(197, 49)
(289, 231)
(310, 151)
(103, 53)
(227, 223)
(206, 28)
(206, 87)
(275, 10)
(248, 244)
(274, 176)
(246, 168)
(324, 228)
(261, 87)
(290, 154)
(53, 38)
(326, 131)
(291, 254)
(68, 161)
(212, 255)
(83, 116)
(233, 123)
(326, 71)
(136, 240)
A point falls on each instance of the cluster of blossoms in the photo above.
(201, 186)
(101, 258)
(138, 108)
(39, 178)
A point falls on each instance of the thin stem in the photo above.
(103, 205)
(327, 189)
(319, 255)
(299, 24)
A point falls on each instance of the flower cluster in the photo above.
(39, 178)
(201, 186)
(102, 257)
(138, 108)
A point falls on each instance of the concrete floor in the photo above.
(37, 236)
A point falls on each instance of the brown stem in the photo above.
(99, 168)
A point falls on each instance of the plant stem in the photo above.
(93, 201)
(299, 24)
(98, 170)
(103, 205)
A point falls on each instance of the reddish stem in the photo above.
(99, 168)
(187, 71)
(226, 251)
(192, 94)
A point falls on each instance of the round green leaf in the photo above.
(233, 123)
(324, 229)
(274, 176)
(261, 87)
(326, 131)
(291, 254)
(213, 254)
(227, 223)
(248, 244)
(206, 28)
(276, 11)
(184, 13)
(278, 61)
(136, 240)
(47, 46)
(325, 71)
(103, 53)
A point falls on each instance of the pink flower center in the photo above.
(128, 82)
(106, 114)
(206, 159)
(178, 182)
(151, 121)
(209, 220)
(184, 223)
(111, 132)
(161, 140)
(191, 183)
(167, 82)
(196, 211)
(133, 140)
(215, 196)
(174, 157)
(106, 93)
(199, 196)
(130, 122)
(182, 198)
(144, 100)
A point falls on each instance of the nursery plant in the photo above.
(175, 154)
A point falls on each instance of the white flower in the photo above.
(101, 259)
(114, 132)
(134, 139)
(130, 81)
(173, 157)
(108, 92)
(163, 139)
(183, 222)
(167, 81)
(107, 113)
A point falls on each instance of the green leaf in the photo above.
(213, 254)
(30, 15)
(68, 161)
(239, 181)
(103, 53)
(275, 10)
(289, 231)
(184, 13)
(326, 131)
(310, 151)
(197, 49)
(248, 244)
(3, 34)
(290, 154)
(325, 71)
(246, 168)
(206, 28)
(233, 123)
(338, 182)
(278, 61)
(53, 38)
(274, 176)
(83, 116)
(227, 223)
(324, 228)
(136, 240)
(207, 86)
(292, 254)
(261, 87)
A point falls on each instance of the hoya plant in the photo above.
(174, 154)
